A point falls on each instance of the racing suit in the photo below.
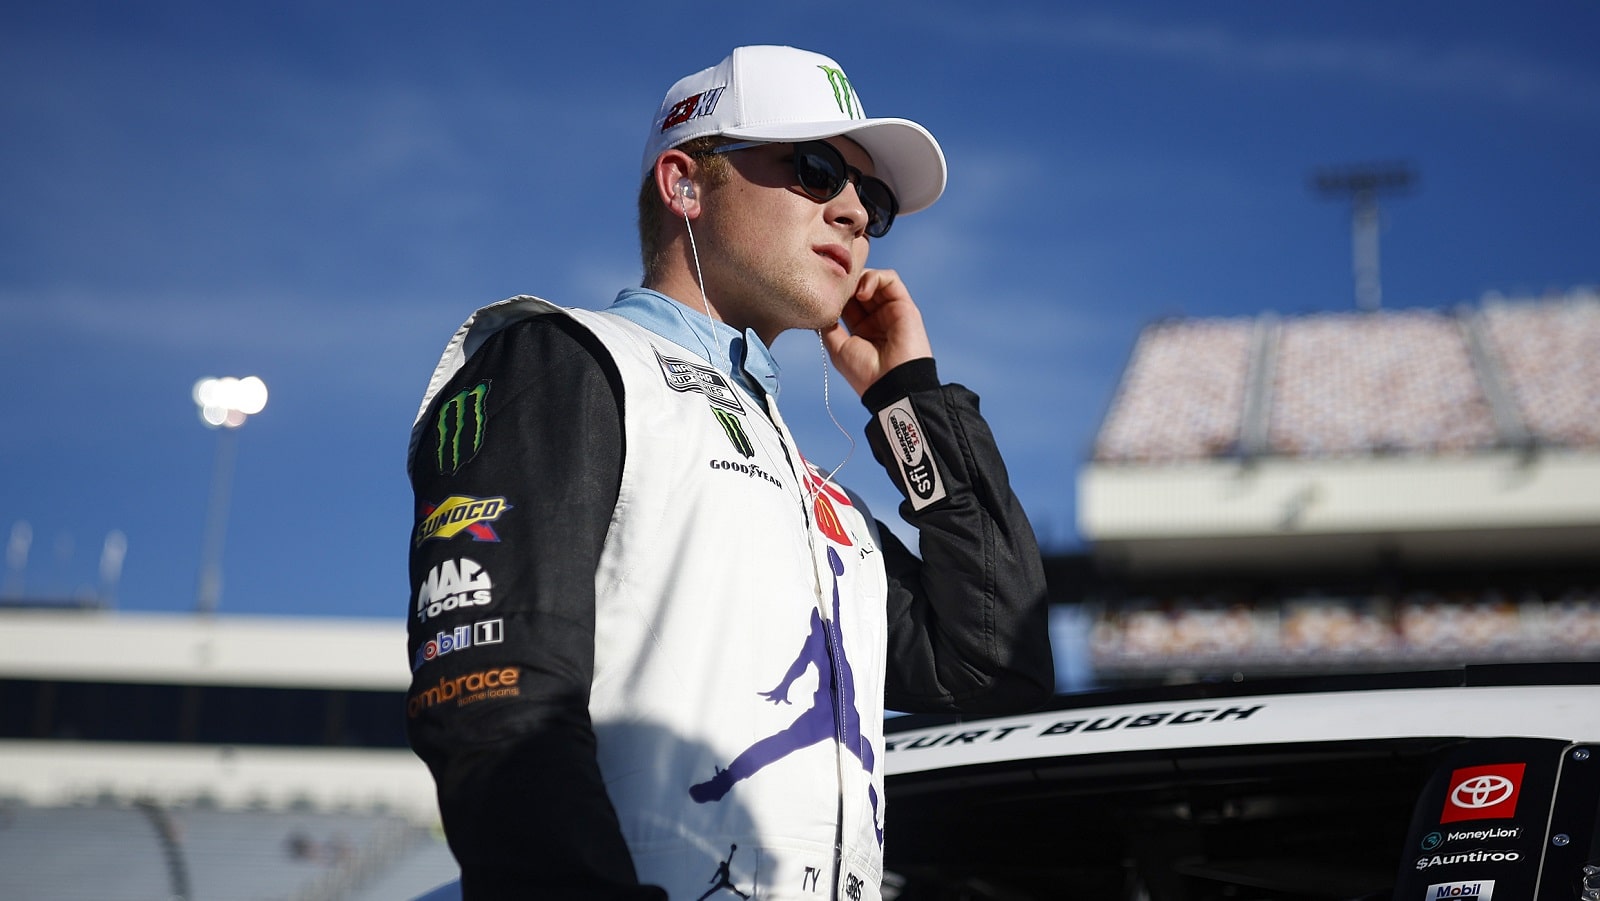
(651, 646)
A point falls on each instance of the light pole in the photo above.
(1362, 185)
(224, 404)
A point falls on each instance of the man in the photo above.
(651, 645)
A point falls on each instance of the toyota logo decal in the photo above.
(1482, 791)
(1487, 792)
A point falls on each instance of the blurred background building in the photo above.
(1346, 491)
(190, 756)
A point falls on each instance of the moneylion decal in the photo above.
(460, 513)
(460, 426)
(684, 377)
(843, 93)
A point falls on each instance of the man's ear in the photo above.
(675, 173)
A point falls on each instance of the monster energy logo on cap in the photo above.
(461, 423)
(843, 93)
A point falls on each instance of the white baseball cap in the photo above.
(782, 94)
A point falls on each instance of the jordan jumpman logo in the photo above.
(818, 722)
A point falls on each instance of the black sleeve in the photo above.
(968, 621)
(515, 478)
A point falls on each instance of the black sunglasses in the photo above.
(820, 169)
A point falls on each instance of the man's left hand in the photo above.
(882, 329)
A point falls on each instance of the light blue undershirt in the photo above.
(743, 357)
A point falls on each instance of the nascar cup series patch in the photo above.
(900, 425)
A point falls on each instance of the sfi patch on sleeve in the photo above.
(900, 426)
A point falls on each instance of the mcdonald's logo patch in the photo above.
(822, 510)
(460, 425)
(828, 520)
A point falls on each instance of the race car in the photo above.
(1481, 782)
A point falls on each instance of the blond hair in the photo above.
(714, 170)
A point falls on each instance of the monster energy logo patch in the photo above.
(735, 431)
(683, 376)
(461, 424)
(843, 93)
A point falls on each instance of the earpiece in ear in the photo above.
(686, 197)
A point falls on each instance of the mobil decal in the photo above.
(489, 631)
(1471, 890)
(900, 425)
(460, 513)
(1483, 793)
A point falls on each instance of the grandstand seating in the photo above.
(1552, 357)
(1224, 632)
(1183, 393)
(1348, 384)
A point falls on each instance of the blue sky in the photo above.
(317, 193)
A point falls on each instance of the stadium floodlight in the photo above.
(224, 404)
(228, 402)
(1362, 184)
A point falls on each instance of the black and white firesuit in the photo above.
(651, 646)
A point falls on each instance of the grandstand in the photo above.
(181, 756)
(1349, 491)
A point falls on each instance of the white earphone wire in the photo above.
(828, 405)
(684, 193)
